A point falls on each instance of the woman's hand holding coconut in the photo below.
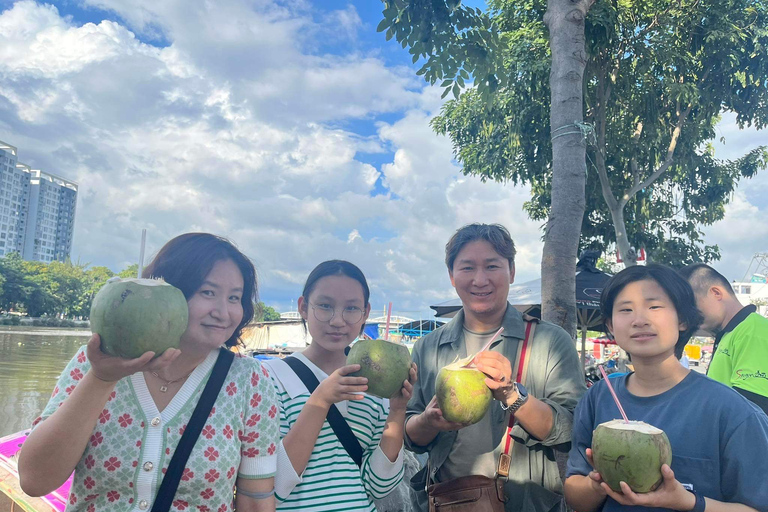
(111, 369)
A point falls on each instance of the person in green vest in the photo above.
(740, 353)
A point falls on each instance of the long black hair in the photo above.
(677, 288)
(186, 260)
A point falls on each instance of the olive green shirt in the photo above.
(554, 376)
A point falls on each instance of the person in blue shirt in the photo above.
(719, 439)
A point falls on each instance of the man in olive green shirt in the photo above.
(740, 354)
(480, 261)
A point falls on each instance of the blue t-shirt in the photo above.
(719, 439)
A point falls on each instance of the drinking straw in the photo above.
(486, 346)
(141, 252)
(615, 398)
(389, 314)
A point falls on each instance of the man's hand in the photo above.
(670, 494)
(399, 401)
(111, 369)
(433, 418)
(499, 372)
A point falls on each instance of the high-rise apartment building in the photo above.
(37, 210)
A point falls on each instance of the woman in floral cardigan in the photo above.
(117, 422)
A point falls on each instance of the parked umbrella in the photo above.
(590, 282)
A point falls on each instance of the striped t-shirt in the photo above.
(332, 481)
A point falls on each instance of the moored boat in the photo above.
(12, 498)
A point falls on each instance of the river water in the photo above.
(31, 359)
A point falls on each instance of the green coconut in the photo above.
(630, 452)
(461, 393)
(385, 364)
(133, 316)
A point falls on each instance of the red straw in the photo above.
(615, 398)
(389, 314)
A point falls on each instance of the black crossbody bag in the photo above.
(335, 419)
(170, 483)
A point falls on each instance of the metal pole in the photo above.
(141, 252)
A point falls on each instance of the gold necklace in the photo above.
(164, 387)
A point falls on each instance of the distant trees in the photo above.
(59, 289)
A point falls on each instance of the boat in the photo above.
(12, 498)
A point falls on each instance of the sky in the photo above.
(291, 127)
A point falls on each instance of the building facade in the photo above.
(753, 292)
(37, 210)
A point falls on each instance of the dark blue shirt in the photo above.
(719, 439)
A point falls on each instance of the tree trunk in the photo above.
(628, 253)
(565, 21)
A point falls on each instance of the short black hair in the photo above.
(186, 260)
(495, 234)
(673, 284)
(701, 277)
(335, 268)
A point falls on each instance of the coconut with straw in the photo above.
(629, 451)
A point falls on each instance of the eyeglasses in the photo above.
(325, 313)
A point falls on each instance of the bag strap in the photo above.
(335, 419)
(170, 483)
(505, 459)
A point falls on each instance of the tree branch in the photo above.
(682, 116)
(602, 172)
(633, 160)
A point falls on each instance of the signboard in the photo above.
(640, 256)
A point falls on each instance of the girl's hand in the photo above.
(670, 494)
(399, 400)
(111, 369)
(339, 387)
(594, 477)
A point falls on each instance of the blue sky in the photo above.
(290, 126)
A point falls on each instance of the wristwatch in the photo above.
(522, 397)
(701, 504)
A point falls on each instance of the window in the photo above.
(746, 290)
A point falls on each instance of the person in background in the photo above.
(117, 422)
(740, 353)
(314, 471)
(719, 439)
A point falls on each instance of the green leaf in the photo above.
(383, 24)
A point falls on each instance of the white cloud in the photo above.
(741, 233)
(240, 125)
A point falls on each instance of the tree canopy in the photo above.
(658, 76)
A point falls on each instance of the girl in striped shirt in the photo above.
(314, 471)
